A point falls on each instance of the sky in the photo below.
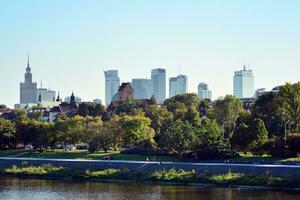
(71, 42)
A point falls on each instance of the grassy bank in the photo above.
(167, 176)
(81, 154)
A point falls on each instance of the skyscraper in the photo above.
(112, 82)
(28, 89)
(243, 84)
(143, 88)
(158, 77)
(178, 85)
(204, 92)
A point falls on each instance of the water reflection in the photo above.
(16, 189)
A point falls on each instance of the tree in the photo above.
(2, 106)
(160, 119)
(136, 129)
(42, 134)
(115, 129)
(184, 107)
(226, 112)
(209, 133)
(102, 139)
(203, 107)
(180, 137)
(266, 108)
(249, 136)
(99, 110)
(70, 130)
(7, 134)
(289, 104)
(128, 107)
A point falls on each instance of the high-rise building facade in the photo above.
(143, 88)
(158, 77)
(28, 89)
(44, 94)
(243, 84)
(178, 85)
(112, 83)
(204, 92)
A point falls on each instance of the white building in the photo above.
(112, 83)
(44, 94)
(204, 92)
(243, 84)
(178, 85)
(143, 88)
(28, 89)
(158, 77)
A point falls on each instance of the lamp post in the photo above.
(285, 130)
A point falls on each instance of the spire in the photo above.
(40, 98)
(72, 100)
(58, 97)
(28, 65)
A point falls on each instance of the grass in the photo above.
(116, 155)
(172, 175)
(81, 154)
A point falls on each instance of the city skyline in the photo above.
(69, 53)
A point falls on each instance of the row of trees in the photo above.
(183, 124)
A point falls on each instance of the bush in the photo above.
(293, 141)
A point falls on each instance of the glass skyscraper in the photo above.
(178, 85)
(143, 88)
(112, 83)
(243, 84)
(204, 92)
(158, 77)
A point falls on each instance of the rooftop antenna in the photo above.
(41, 84)
(179, 69)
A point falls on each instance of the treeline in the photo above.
(184, 125)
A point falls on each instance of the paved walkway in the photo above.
(258, 169)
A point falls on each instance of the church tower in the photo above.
(28, 89)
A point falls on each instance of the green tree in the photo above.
(70, 130)
(7, 134)
(289, 104)
(115, 129)
(184, 107)
(136, 129)
(249, 136)
(266, 108)
(226, 111)
(2, 106)
(180, 137)
(42, 134)
(102, 139)
(160, 119)
(208, 133)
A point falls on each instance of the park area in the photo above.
(117, 155)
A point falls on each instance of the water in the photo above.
(33, 189)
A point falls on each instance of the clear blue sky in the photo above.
(71, 42)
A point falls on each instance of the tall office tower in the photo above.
(203, 91)
(158, 77)
(28, 89)
(243, 84)
(112, 83)
(178, 85)
(143, 88)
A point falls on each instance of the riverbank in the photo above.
(172, 176)
(117, 155)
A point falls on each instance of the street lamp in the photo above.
(285, 130)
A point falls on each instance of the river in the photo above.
(35, 189)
